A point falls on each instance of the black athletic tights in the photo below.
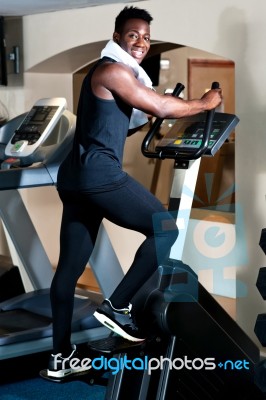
(130, 206)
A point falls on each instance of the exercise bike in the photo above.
(194, 349)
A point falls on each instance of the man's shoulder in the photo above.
(113, 64)
(115, 68)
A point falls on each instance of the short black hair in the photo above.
(129, 13)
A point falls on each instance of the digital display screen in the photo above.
(39, 116)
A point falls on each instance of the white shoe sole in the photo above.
(114, 327)
(65, 373)
(59, 374)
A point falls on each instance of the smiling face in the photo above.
(134, 38)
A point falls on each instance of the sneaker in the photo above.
(60, 367)
(119, 321)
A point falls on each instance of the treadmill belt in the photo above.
(17, 323)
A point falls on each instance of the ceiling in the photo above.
(29, 7)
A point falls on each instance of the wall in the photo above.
(232, 29)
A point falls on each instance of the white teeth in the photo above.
(138, 52)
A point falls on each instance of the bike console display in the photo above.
(186, 135)
(35, 127)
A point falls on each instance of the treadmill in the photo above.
(32, 146)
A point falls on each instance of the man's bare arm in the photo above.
(116, 79)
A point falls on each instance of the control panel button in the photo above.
(19, 146)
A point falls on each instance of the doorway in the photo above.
(216, 180)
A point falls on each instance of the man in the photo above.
(115, 98)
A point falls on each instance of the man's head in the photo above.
(131, 13)
(132, 32)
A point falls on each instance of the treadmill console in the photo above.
(187, 133)
(35, 127)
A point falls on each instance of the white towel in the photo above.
(114, 51)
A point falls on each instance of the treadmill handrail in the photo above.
(179, 155)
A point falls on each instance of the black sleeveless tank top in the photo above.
(95, 161)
